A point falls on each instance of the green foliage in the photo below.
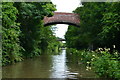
(0, 33)
(35, 37)
(110, 30)
(84, 55)
(10, 36)
(105, 65)
(72, 37)
(99, 27)
(24, 35)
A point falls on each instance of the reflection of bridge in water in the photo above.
(61, 40)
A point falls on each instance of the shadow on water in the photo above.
(60, 65)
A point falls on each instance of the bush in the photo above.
(103, 63)
(106, 65)
(10, 35)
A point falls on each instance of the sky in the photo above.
(64, 6)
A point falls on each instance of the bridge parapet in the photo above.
(62, 18)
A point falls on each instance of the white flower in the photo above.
(113, 46)
(88, 62)
(89, 68)
(108, 48)
(86, 69)
(100, 49)
(116, 53)
(92, 59)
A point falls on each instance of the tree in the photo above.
(99, 26)
(10, 36)
(109, 35)
(34, 36)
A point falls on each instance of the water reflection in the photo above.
(31, 68)
(59, 65)
(77, 69)
(48, 66)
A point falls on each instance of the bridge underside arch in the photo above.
(68, 23)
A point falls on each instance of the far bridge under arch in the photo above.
(62, 18)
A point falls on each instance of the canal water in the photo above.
(48, 66)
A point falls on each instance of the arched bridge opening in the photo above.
(62, 18)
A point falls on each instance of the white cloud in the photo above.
(66, 5)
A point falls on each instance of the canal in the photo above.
(48, 66)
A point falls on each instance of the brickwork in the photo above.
(62, 18)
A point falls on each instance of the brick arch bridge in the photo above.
(62, 18)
